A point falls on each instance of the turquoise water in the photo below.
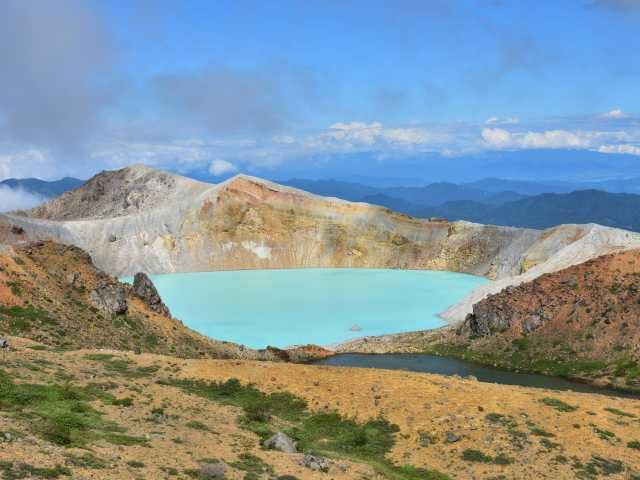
(289, 307)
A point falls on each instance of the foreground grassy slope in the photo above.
(101, 414)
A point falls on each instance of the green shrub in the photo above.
(197, 425)
(122, 402)
(472, 455)
(28, 471)
(620, 413)
(86, 460)
(558, 404)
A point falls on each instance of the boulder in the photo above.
(217, 469)
(144, 289)
(315, 462)
(111, 298)
(281, 442)
(452, 437)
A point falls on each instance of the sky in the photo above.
(350, 89)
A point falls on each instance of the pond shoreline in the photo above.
(455, 367)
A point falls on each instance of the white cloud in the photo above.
(554, 139)
(502, 121)
(499, 138)
(17, 199)
(358, 133)
(220, 167)
(496, 137)
(615, 114)
(29, 162)
(627, 149)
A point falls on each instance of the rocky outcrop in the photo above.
(111, 298)
(118, 193)
(280, 442)
(144, 289)
(138, 219)
(586, 316)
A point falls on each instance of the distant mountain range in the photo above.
(494, 201)
(43, 188)
(489, 201)
(432, 194)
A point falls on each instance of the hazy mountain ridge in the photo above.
(496, 206)
(44, 188)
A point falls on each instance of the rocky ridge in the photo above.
(140, 219)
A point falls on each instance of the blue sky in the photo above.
(217, 88)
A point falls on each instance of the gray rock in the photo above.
(7, 437)
(281, 442)
(71, 278)
(111, 298)
(213, 469)
(355, 328)
(4, 343)
(315, 462)
(452, 437)
(144, 289)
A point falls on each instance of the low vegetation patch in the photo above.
(597, 466)
(325, 433)
(16, 470)
(620, 413)
(196, 425)
(472, 455)
(558, 404)
(60, 414)
(123, 366)
(254, 467)
(21, 320)
(86, 460)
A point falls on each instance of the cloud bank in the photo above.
(17, 199)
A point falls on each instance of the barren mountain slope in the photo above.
(117, 193)
(139, 219)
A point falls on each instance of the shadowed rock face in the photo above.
(138, 219)
(586, 313)
(111, 298)
(144, 289)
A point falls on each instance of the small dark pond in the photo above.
(452, 366)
